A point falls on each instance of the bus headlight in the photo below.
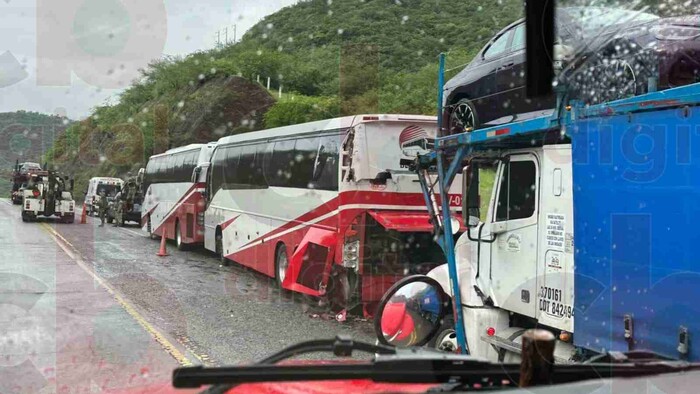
(350, 254)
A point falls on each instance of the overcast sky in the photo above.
(68, 56)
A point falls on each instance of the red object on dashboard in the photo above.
(330, 387)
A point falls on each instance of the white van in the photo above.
(110, 186)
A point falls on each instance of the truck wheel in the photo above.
(178, 237)
(220, 249)
(446, 337)
(281, 265)
(25, 217)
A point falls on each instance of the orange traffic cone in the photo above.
(83, 216)
(162, 252)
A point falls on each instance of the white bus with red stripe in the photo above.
(329, 208)
(173, 202)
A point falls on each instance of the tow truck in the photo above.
(47, 194)
(19, 178)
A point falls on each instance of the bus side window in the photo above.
(258, 168)
(171, 162)
(217, 171)
(267, 162)
(191, 162)
(304, 158)
(231, 170)
(280, 171)
(325, 173)
(178, 163)
(246, 163)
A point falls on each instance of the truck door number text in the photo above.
(551, 303)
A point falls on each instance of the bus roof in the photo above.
(180, 149)
(328, 124)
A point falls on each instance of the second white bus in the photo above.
(173, 202)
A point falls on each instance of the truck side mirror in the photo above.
(470, 195)
(410, 313)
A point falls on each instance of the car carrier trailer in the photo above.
(590, 231)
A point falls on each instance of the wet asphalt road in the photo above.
(148, 312)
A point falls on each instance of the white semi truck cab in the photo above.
(580, 223)
(516, 262)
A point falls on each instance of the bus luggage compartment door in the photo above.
(310, 264)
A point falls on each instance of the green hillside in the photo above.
(330, 58)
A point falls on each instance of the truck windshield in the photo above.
(108, 190)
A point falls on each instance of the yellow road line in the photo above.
(157, 336)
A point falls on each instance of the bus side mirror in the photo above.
(470, 195)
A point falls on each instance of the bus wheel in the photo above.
(446, 338)
(220, 249)
(178, 237)
(281, 264)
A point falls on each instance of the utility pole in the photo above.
(218, 38)
(234, 34)
(226, 35)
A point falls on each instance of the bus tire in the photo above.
(178, 237)
(219, 239)
(281, 264)
(445, 338)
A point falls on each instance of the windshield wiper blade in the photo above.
(457, 369)
(341, 346)
(414, 365)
